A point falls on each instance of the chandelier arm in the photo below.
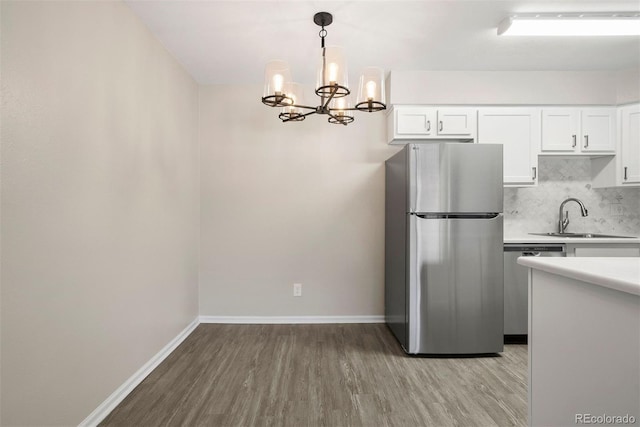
(334, 90)
(298, 116)
(301, 106)
(336, 119)
(370, 106)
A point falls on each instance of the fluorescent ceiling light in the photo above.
(577, 24)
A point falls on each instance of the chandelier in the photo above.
(332, 85)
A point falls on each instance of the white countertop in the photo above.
(532, 238)
(622, 274)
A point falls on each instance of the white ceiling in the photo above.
(223, 42)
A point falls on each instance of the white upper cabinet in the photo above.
(598, 130)
(406, 124)
(457, 122)
(412, 123)
(630, 144)
(569, 131)
(518, 130)
(560, 130)
(623, 170)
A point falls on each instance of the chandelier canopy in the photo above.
(331, 86)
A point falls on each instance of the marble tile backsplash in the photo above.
(535, 209)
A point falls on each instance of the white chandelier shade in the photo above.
(371, 91)
(294, 93)
(341, 110)
(276, 75)
(332, 71)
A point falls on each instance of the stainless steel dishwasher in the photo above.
(516, 285)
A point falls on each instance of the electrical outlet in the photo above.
(297, 289)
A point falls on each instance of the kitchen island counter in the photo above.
(621, 274)
(584, 340)
(533, 238)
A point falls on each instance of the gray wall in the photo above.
(514, 87)
(283, 203)
(628, 86)
(99, 205)
(286, 203)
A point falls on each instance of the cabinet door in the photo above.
(457, 121)
(518, 130)
(413, 122)
(594, 250)
(598, 130)
(630, 145)
(560, 130)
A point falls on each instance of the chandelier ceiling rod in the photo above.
(332, 87)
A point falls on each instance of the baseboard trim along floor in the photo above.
(323, 375)
(270, 320)
(118, 396)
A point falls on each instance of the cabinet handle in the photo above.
(574, 141)
(625, 173)
(440, 125)
(586, 141)
(535, 172)
(428, 125)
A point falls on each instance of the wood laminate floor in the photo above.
(322, 375)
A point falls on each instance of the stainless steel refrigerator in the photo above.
(443, 248)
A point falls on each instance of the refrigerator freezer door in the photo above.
(455, 299)
(455, 177)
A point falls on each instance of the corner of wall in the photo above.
(628, 86)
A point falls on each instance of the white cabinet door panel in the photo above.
(613, 251)
(518, 130)
(598, 130)
(630, 145)
(456, 121)
(414, 122)
(560, 129)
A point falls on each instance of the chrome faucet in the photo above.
(563, 220)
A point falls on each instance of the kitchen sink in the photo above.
(582, 235)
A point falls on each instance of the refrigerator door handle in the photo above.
(425, 215)
(418, 182)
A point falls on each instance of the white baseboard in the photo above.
(101, 412)
(267, 320)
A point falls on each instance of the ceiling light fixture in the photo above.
(571, 24)
(332, 85)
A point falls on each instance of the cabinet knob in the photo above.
(586, 141)
(534, 171)
(574, 141)
(428, 125)
(440, 125)
(625, 173)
